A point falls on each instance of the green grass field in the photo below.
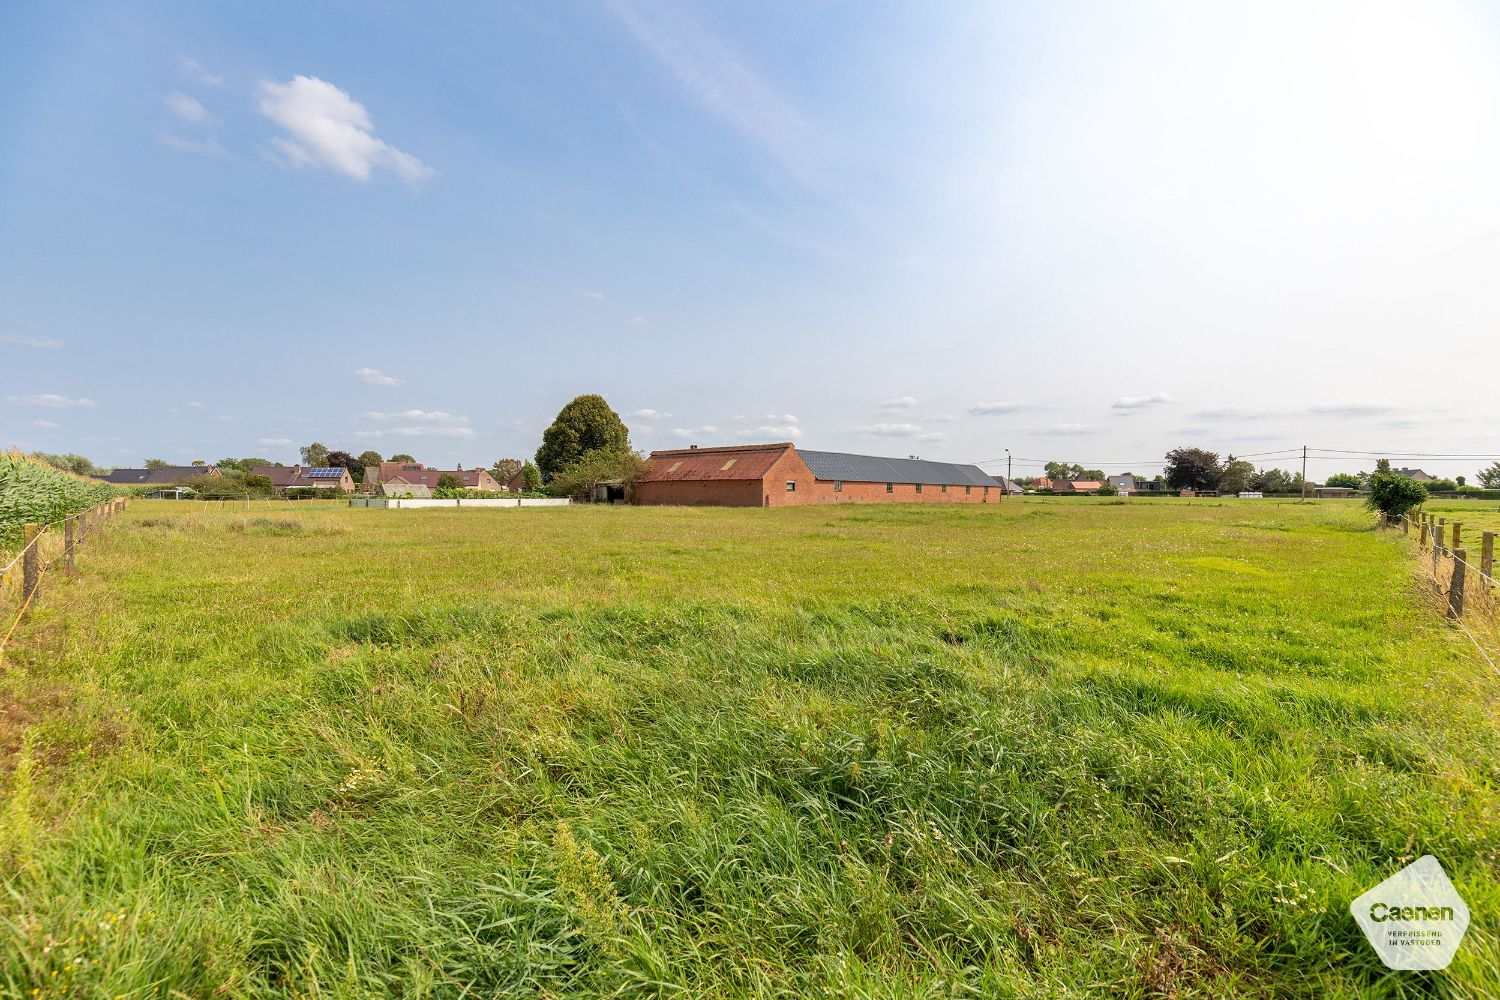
(1045, 748)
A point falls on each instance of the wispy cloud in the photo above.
(46, 425)
(993, 409)
(327, 128)
(648, 414)
(1064, 430)
(770, 431)
(274, 442)
(370, 376)
(899, 403)
(1232, 413)
(39, 343)
(189, 109)
(424, 430)
(718, 79)
(585, 293)
(891, 430)
(194, 69)
(931, 437)
(689, 433)
(1351, 409)
(53, 400)
(417, 416)
(1133, 403)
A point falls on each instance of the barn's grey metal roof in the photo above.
(872, 469)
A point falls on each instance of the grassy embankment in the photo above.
(1061, 748)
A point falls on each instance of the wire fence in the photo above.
(1464, 577)
(47, 548)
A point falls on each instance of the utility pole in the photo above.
(1007, 474)
(1304, 472)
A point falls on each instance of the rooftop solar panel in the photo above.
(325, 473)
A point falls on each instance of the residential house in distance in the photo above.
(1076, 486)
(1008, 485)
(1333, 491)
(286, 477)
(417, 474)
(1124, 483)
(781, 475)
(1416, 474)
(166, 475)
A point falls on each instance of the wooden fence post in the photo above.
(1456, 586)
(1437, 544)
(1422, 535)
(68, 544)
(1487, 555)
(31, 563)
(1458, 532)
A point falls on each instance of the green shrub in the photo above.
(1393, 495)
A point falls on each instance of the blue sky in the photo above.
(1089, 232)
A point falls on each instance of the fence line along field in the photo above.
(1038, 748)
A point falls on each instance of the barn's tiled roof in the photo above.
(733, 462)
(872, 469)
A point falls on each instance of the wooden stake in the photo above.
(1458, 531)
(31, 564)
(68, 544)
(1456, 586)
(1487, 555)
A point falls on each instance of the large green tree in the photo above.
(505, 469)
(370, 459)
(315, 455)
(1193, 469)
(1489, 477)
(1236, 476)
(584, 425)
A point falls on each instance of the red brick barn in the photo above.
(781, 475)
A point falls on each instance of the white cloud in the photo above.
(688, 433)
(584, 293)
(899, 403)
(52, 400)
(205, 147)
(891, 430)
(372, 377)
(638, 321)
(192, 68)
(933, 437)
(187, 108)
(330, 129)
(274, 442)
(1064, 430)
(46, 425)
(991, 409)
(425, 430)
(648, 414)
(1141, 402)
(1350, 409)
(774, 418)
(194, 403)
(771, 431)
(417, 416)
(40, 343)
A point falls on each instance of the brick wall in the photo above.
(823, 492)
(698, 493)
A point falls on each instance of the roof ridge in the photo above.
(714, 449)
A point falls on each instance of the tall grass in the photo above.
(1040, 749)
